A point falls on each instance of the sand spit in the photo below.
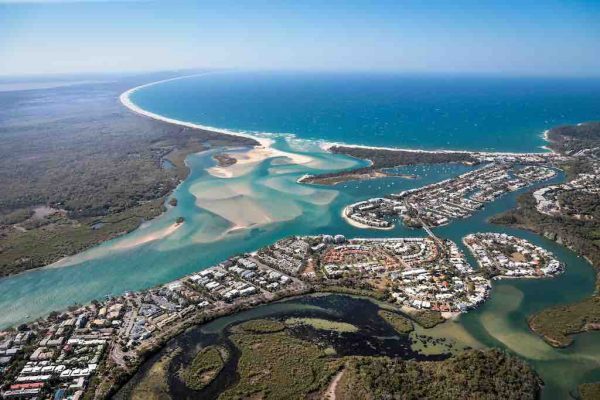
(128, 243)
(245, 212)
(120, 243)
(246, 161)
(241, 211)
(126, 101)
(325, 145)
(241, 205)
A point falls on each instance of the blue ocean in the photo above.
(424, 112)
(262, 201)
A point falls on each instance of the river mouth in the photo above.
(205, 239)
(501, 322)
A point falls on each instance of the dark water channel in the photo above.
(373, 338)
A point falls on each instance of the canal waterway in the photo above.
(264, 203)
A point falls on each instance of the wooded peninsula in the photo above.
(77, 168)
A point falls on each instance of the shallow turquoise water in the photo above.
(117, 266)
(273, 206)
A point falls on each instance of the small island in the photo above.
(224, 159)
(205, 366)
(361, 174)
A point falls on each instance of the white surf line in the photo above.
(326, 145)
(125, 99)
(266, 142)
(263, 150)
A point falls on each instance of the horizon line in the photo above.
(139, 72)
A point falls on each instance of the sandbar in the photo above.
(246, 161)
(128, 243)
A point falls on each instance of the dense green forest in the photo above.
(382, 158)
(95, 164)
(474, 374)
(583, 236)
(573, 138)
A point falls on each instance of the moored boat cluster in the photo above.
(439, 203)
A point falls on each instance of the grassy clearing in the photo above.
(401, 324)
(262, 326)
(322, 324)
(279, 366)
(205, 366)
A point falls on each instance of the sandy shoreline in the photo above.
(265, 149)
(126, 101)
(262, 151)
(357, 224)
(325, 145)
(328, 145)
(245, 161)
